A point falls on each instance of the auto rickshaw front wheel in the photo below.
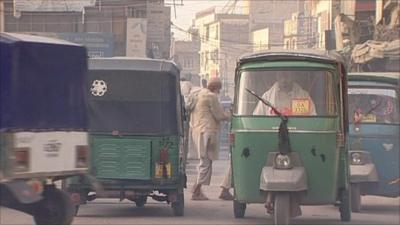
(178, 206)
(56, 208)
(355, 197)
(239, 209)
(282, 209)
(345, 205)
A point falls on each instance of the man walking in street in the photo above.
(205, 122)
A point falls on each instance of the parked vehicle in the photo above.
(287, 156)
(374, 135)
(43, 124)
(136, 131)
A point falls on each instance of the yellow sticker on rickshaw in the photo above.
(160, 168)
(301, 106)
(369, 118)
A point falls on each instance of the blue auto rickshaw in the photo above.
(374, 135)
(43, 124)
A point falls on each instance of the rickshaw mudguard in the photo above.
(363, 173)
(22, 192)
(272, 179)
(293, 179)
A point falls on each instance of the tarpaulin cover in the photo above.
(42, 83)
(133, 102)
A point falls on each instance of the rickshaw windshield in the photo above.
(133, 102)
(373, 105)
(293, 93)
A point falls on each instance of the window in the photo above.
(373, 105)
(293, 93)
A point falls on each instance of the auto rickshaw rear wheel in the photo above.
(178, 206)
(239, 209)
(56, 208)
(355, 197)
(345, 205)
(141, 201)
(282, 209)
(77, 209)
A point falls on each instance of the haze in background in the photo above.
(186, 13)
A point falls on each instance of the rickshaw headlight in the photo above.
(283, 162)
(356, 159)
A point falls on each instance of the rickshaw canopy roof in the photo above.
(42, 83)
(134, 64)
(391, 78)
(141, 96)
(297, 55)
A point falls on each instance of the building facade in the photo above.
(223, 39)
(300, 32)
(271, 14)
(103, 19)
(186, 55)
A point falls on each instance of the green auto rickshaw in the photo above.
(136, 131)
(288, 133)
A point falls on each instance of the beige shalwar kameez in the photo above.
(205, 123)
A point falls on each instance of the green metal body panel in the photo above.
(3, 156)
(313, 138)
(131, 157)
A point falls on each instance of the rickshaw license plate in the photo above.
(369, 118)
(300, 106)
(160, 168)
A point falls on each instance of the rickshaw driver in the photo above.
(287, 96)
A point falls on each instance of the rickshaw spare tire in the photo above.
(56, 208)
(355, 197)
(282, 208)
(178, 207)
(239, 209)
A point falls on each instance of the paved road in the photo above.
(376, 210)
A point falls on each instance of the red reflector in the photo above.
(21, 156)
(21, 159)
(82, 152)
(232, 137)
(164, 155)
(36, 185)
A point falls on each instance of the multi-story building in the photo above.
(186, 56)
(260, 39)
(223, 39)
(300, 31)
(324, 13)
(103, 25)
(271, 14)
